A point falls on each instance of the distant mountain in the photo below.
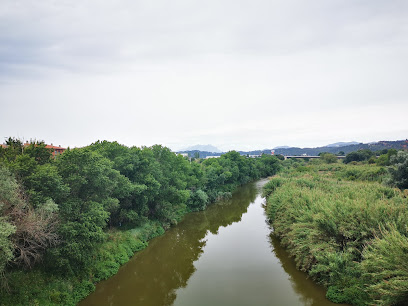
(290, 151)
(376, 146)
(206, 148)
(342, 144)
(282, 147)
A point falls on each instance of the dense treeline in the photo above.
(345, 227)
(70, 221)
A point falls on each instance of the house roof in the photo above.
(54, 147)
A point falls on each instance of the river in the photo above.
(225, 255)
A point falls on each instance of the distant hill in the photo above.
(204, 148)
(282, 147)
(376, 146)
(288, 151)
(342, 144)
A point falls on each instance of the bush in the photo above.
(271, 186)
(198, 200)
(328, 158)
(326, 224)
(358, 156)
(385, 266)
(399, 170)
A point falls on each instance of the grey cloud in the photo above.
(84, 35)
(215, 72)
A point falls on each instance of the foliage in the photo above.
(360, 155)
(44, 288)
(385, 266)
(328, 218)
(328, 158)
(399, 170)
(272, 185)
(385, 156)
(26, 232)
(85, 212)
(198, 200)
(6, 246)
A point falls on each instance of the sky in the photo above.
(240, 75)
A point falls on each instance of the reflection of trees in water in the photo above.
(154, 274)
(308, 292)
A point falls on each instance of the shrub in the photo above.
(399, 170)
(331, 228)
(328, 158)
(385, 266)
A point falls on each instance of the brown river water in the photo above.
(225, 255)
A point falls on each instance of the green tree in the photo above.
(198, 200)
(46, 183)
(328, 158)
(14, 148)
(8, 187)
(39, 152)
(30, 231)
(384, 158)
(360, 155)
(93, 183)
(399, 170)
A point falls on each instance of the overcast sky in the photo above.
(234, 74)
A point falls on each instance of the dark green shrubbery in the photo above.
(399, 170)
(198, 200)
(358, 156)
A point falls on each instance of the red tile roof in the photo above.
(54, 147)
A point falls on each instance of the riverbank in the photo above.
(223, 255)
(345, 229)
(37, 287)
(64, 220)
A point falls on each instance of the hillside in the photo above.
(287, 151)
(377, 146)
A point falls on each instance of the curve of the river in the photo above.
(225, 255)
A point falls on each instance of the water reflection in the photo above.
(152, 276)
(309, 292)
(221, 256)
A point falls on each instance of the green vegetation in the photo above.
(69, 222)
(345, 227)
(399, 170)
(328, 158)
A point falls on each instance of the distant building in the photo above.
(211, 156)
(183, 154)
(254, 155)
(56, 150)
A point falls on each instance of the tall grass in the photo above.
(337, 221)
